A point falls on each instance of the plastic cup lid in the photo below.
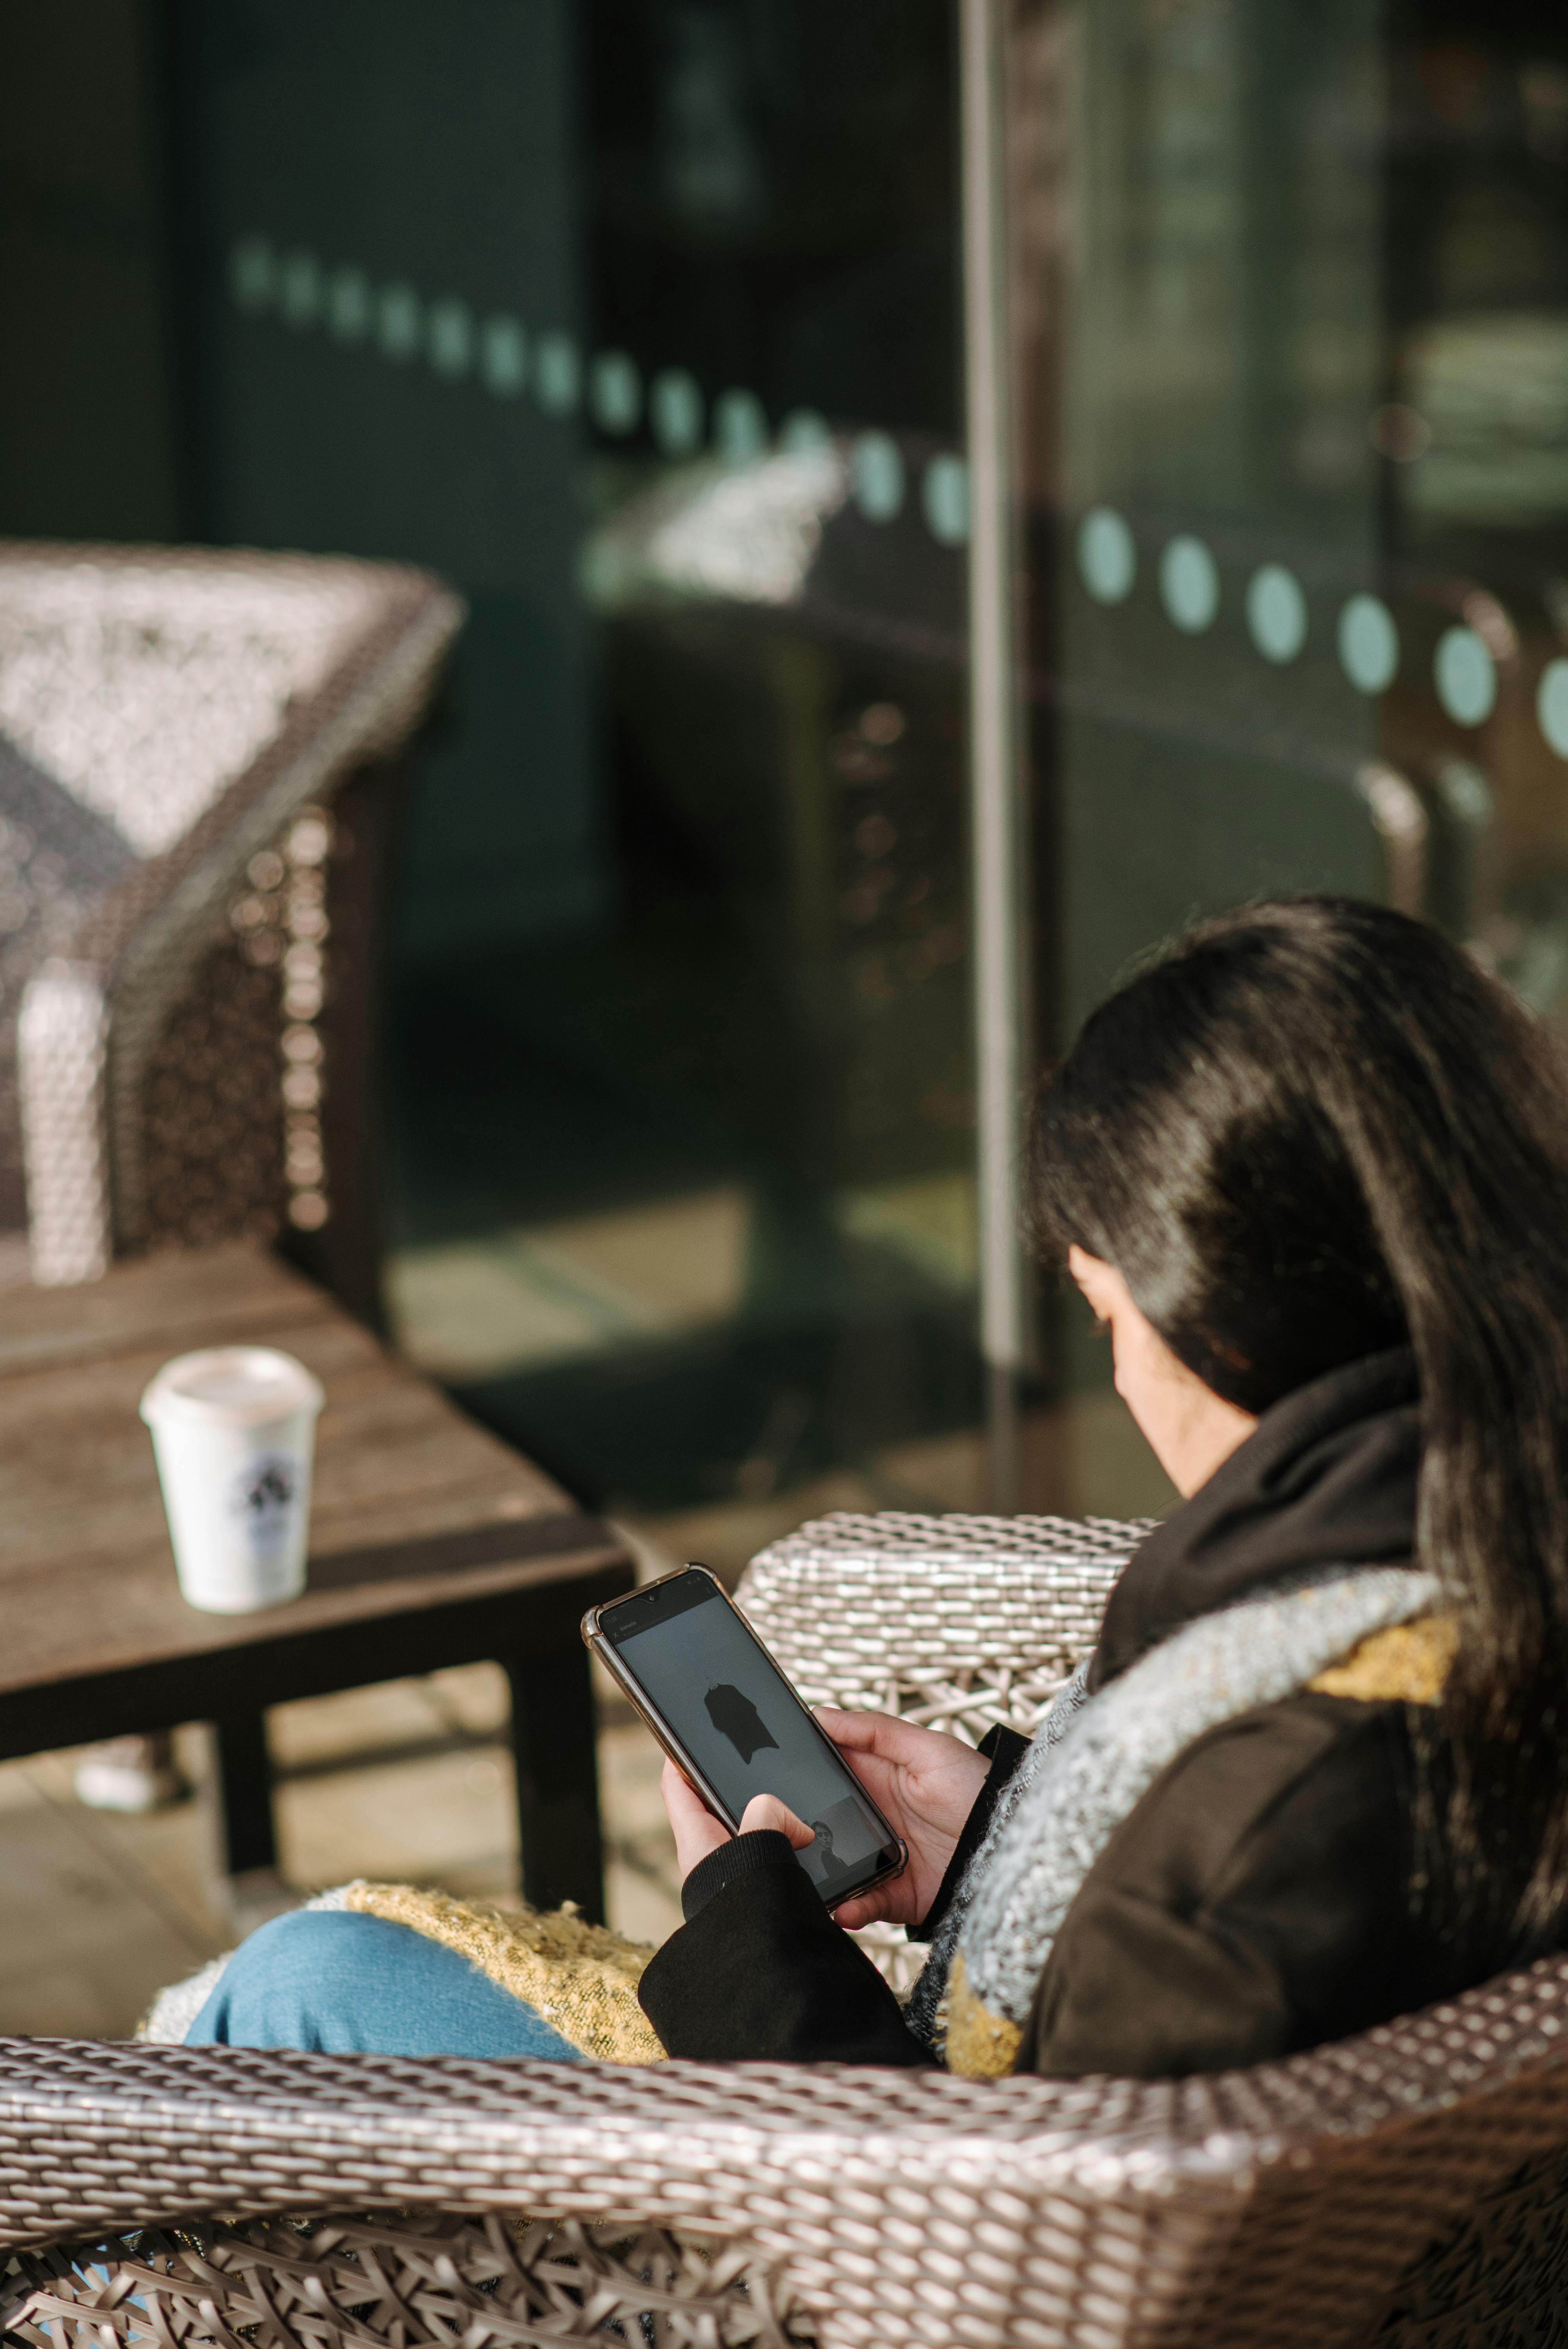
(235, 1385)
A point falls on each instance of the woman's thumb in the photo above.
(767, 1811)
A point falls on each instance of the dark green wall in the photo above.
(89, 446)
(435, 147)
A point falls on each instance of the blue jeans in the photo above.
(341, 1983)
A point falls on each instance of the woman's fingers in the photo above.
(681, 1798)
(881, 1734)
(863, 1909)
(890, 1900)
(890, 1739)
(861, 1732)
(697, 1831)
(767, 1811)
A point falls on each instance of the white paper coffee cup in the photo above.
(234, 1432)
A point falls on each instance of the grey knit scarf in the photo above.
(1093, 1759)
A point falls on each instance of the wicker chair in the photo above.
(194, 803)
(1407, 2187)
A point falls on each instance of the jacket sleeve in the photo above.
(760, 1971)
(1257, 1901)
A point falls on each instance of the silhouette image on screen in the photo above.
(736, 1717)
(745, 1734)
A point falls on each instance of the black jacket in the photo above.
(1257, 1901)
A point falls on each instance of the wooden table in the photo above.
(431, 1544)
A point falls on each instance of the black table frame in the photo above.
(531, 1630)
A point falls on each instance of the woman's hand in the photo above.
(924, 1783)
(698, 1832)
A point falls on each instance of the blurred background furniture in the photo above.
(1408, 2187)
(198, 786)
(198, 768)
(431, 1544)
(649, 322)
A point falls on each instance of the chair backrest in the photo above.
(955, 1621)
(1408, 2189)
(174, 727)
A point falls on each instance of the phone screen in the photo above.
(706, 1676)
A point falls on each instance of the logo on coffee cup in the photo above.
(262, 1497)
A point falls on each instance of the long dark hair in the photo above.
(1314, 1129)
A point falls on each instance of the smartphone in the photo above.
(718, 1704)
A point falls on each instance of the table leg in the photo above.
(242, 1772)
(555, 1751)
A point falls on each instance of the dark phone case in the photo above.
(596, 1640)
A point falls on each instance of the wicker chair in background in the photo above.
(199, 784)
(1408, 2188)
(198, 757)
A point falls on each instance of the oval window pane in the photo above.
(944, 500)
(398, 321)
(877, 476)
(452, 337)
(301, 289)
(1108, 558)
(503, 356)
(1465, 677)
(739, 426)
(253, 273)
(1552, 705)
(1189, 585)
(1277, 612)
(557, 373)
(1368, 644)
(803, 432)
(674, 405)
(348, 306)
(614, 392)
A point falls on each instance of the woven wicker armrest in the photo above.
(1281, 2205)
(955, 1621)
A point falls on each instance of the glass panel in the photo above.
(1291, 294)
(1471, 436)
(638, 318)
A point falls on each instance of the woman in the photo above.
(1311, 1170)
